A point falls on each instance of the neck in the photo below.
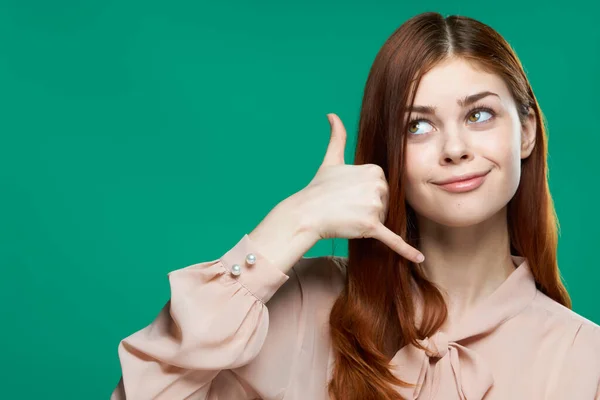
(466, 263)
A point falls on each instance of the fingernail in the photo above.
(420, 258)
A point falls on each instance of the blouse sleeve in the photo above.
(215, 320)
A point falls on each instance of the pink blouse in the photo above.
(263, 334)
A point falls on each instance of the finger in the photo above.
(396, 243)
(337, 142)
(384, 210)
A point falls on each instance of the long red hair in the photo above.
(376, 299)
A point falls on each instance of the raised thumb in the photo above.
(337, 142)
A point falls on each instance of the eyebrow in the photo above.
(465, 101)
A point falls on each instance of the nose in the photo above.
(455, 148)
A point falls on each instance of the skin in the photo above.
(464, 236)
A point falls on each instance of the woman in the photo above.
(451, 156)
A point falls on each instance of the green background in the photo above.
(139, 137)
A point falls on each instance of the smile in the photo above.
(463, 184)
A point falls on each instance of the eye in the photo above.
(479, 116)
(416, 127)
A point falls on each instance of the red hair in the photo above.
(377, 298)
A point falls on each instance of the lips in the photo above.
(460, 178)
(462, 183)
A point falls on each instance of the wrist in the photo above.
(303, 222)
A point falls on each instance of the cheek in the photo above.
(503, 149)
(420, 160)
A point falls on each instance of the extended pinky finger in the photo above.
(396, 243)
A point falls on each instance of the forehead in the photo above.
(456, 78)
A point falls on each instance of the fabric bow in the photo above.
(472, 376)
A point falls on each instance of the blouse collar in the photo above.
(471, 373)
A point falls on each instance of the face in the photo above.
(465, 123)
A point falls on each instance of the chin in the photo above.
(462, 220)
(461, 210)
(460, 216)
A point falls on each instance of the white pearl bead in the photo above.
(251, 259)
(236, 270)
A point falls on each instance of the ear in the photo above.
(528, 131)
